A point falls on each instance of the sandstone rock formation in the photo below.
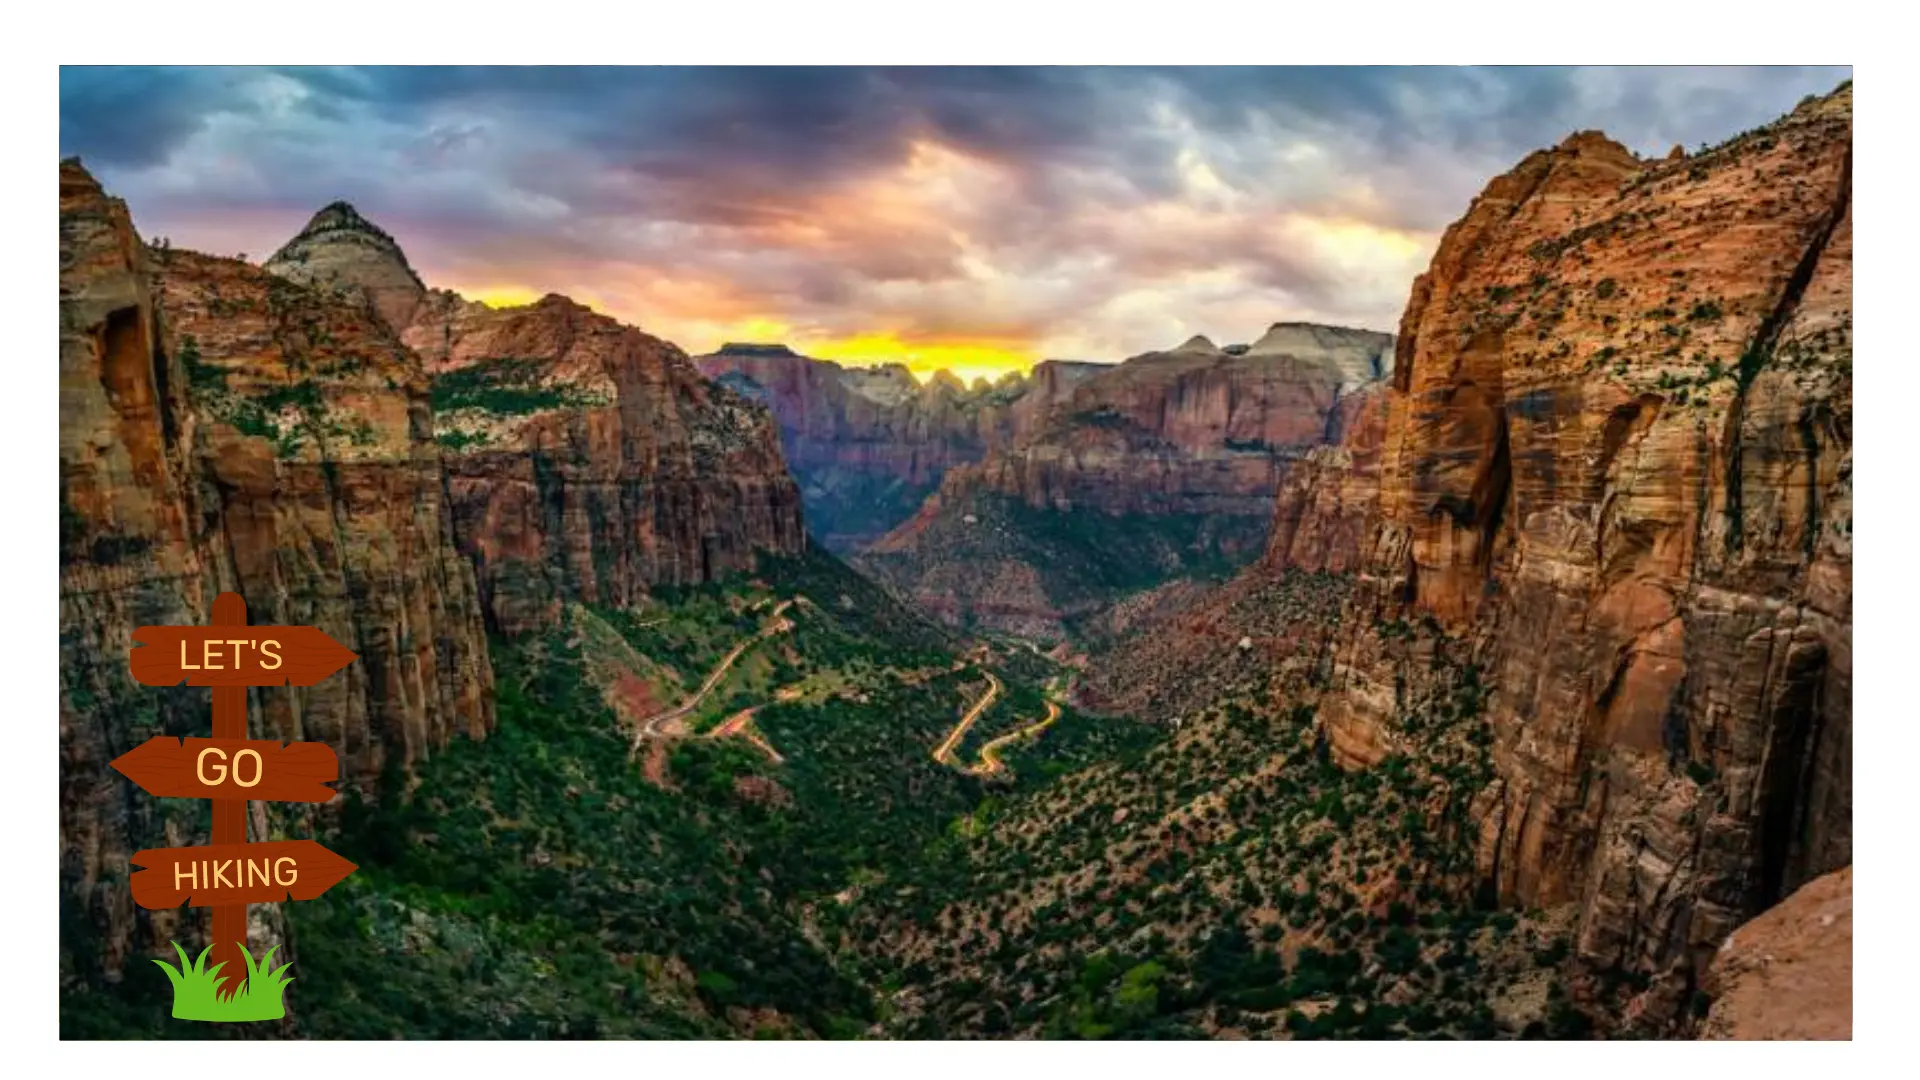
(343, 252)
(1139, 472)
(1616, 462)
(223, 429)
(868, 445)
(1788, 974)
(1326, 504)
(585, 460)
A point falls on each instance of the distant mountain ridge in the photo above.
(869, 444)
(1180, 451)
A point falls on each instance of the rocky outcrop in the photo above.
(1788, 974)
(869, 444)
(1616, 462)
(341, 252)
(1175, 457)
(585, 459)
(1327, 502)
(222, 429)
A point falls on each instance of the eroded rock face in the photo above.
(1168, 460)
(868, 445)
(222, 429)
(1327, 502)
(585, 460)
(1788, 974)
(1617, 459)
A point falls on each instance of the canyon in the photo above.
(869, 444)
(1488, 678)
(1161, 466)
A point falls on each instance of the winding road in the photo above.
(654, 727)
(990, 753)
(944, 752)
(659, 725)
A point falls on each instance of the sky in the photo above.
(976, 220)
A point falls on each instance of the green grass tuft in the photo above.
(196, 988)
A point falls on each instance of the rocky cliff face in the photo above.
(1140, 472)
(868, 445)
(223, 429)
(585, 459)
(1191, 430)
(1616, 461)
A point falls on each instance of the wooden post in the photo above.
(230, 815)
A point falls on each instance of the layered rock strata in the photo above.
(1616, 459)
(1164, 463)
(585, 459)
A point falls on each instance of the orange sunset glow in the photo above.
(972, 220)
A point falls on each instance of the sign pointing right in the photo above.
(221, 874)
(235, 655)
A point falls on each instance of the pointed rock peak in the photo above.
(943, 377)
(1198, 343)
(341, 214)
(341, 249)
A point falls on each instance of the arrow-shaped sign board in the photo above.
(231, 769)
(221, 874)
(235, 655)
(172, 768)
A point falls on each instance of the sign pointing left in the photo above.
(232, 769)
(235, 655)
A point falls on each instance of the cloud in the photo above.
(1087, 212)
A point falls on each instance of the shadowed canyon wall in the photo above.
(1616, 458)
(868, 445)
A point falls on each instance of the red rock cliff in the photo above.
(1616, 458)
(1195, 430)
(585, 459)
(1139, 472)
(221, 429)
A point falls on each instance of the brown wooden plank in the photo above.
(230, 815)
(234, 875)
(260, 769)
(223, 656)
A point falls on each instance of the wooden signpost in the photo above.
(231, 769)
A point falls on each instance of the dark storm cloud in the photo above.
(1096, 207)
